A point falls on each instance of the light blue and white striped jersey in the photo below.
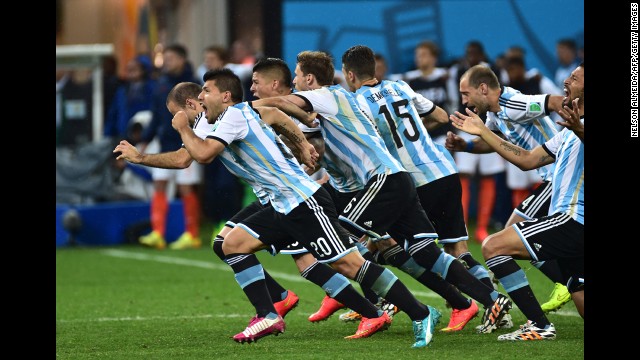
(256, 154)
(524, 121)
(202, 128)
(396, 109)
(567, 195)
(354, 150)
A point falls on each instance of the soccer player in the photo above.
(524, 121)
(398, 113)
(300, 209)
(560, 234)
(355, 154)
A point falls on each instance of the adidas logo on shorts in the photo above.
(368, 223)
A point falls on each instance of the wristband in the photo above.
(469, 146)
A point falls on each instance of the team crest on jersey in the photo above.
(535, 107)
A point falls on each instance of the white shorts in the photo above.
(189, 176)
(518, 179)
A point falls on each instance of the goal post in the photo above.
(83, 56)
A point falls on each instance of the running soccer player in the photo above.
(560, 234)
(299, 210)
(397, 110)
(524, 121)
(355, 153)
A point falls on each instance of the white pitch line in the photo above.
(209, 265)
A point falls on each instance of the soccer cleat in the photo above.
(153, 240)
(529, 331)
(186, 241)
(559, 296)
(460, 318)
(387, 307)
(494, 314)
(371, 326)
(505, 323)
(382, 304)
(260, 327)
(423, 329)
(350, 316)
(328, 306)
(284, 306)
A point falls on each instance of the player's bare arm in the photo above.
(179, 159)
(435, 119)
(555, 103)
(476, 145)
(286, 127)
(571, 117)
(525, 160)
(291, 105)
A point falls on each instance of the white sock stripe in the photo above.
(371, 192)
(497, 260)
(362, 271)
(308, 269)
(418, 246)
(236, 259)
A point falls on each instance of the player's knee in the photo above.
(491, 247)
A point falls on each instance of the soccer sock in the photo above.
(465, 183)
(217, 247)
(250, 276)
(367, 292)
(191, 208)
(159, 209)
(551, 269)
(387, 285)
(517, 286)
(429, 255)
(486, 200)
(518, 196)
(276, 291)
(397, 257)
(476, 269)
(338, 287)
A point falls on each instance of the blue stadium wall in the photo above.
(393, 28)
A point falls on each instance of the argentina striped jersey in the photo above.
(567, 194)
(524, 121)
(396, 110)
(256, 154)
(354, 151)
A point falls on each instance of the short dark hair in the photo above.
(360, 60)
(226, 80)
(431, 46)
(569, 43)
(183, 91)
(276, 67)
(221, 51)
(317, 63)
(479, 74)
(179, 49)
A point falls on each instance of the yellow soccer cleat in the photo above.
(186, 241)
(153, 240)
(559, 296)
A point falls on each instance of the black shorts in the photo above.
(245, 212)
(314, 224)
(388, 206)
(537, 204)
(442, 201)
(557, 236)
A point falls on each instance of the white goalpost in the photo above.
(83, 56)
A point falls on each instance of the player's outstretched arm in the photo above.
(291, 105)
(435, 119)
(179, 159)
(525, 160)
(202, 151)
